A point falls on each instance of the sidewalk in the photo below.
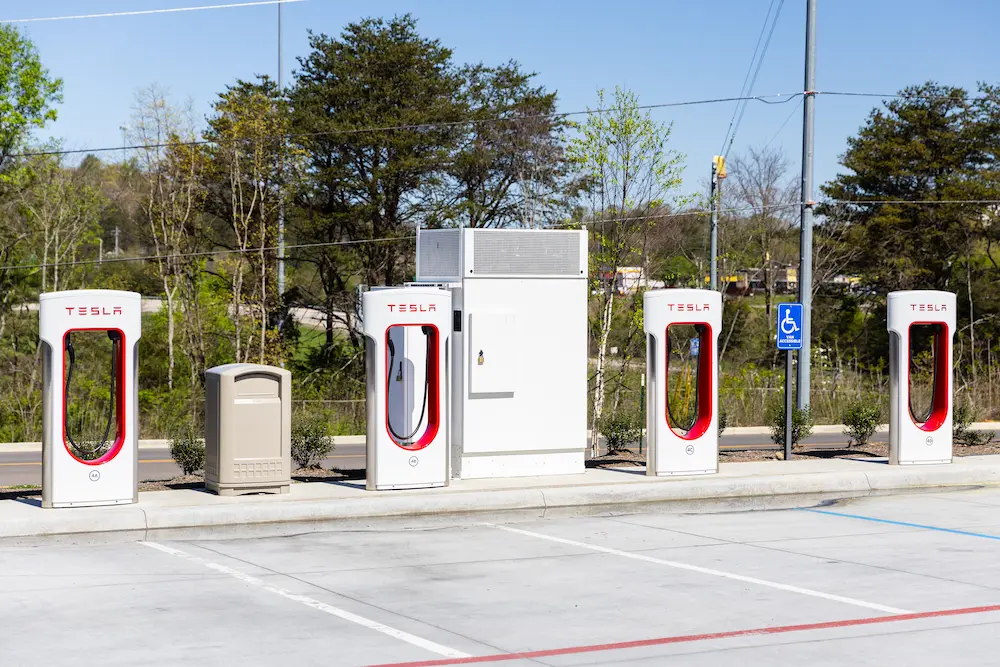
(209, 515)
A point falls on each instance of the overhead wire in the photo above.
(774, 98)
(784, 123)
(325, 244)
(143, 12)
(581, 223)
(753, 81)
(743, 86)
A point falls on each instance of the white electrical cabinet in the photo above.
(519, 347)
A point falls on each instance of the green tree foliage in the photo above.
(509, 167)
(368, 107)
(27, 92)
(250, 161)
(629, 172)
(371, 183)
(923, 146)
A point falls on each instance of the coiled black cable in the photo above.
(115, 344)
(426, 330)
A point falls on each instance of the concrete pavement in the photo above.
(311, 505)
(905, 580)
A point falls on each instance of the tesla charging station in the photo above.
(682, 377)
(921, 326)
(89, 464)
(406, 360)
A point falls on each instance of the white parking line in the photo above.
(705, 570)
(315, 604)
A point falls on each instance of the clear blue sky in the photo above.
(665, 50)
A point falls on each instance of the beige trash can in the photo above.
(248, 429)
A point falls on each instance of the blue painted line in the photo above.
(907, 524)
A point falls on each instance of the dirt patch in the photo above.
(621, 459)
(307, 475)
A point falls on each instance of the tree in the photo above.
(62, 208)
(27, 93)
(622, 155)
(27, 96)
(375, 109)
(759, 182)
(510, 167)
(250, 159)
(920, 147)
(171, 197)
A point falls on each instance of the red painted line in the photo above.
(660, 641)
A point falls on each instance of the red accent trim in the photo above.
(704, 396)
(683, 639)
(433, 392)
(940, 394)
(120, 399)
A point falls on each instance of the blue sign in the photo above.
(789, 326)
(695, 346)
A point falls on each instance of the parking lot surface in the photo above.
(900, 580)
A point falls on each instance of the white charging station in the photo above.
(682, 442)
(406, 359)
(519, 347)
(920, 322)
(78, 470)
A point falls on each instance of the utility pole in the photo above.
(805, 242)
(281, 198)
(718, 173)
(713, 236)
(116, 240)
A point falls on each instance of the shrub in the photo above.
(188, 452)
(961, 420)
(311, 441)
(723, 422)
(861, 419)
(620, 431)
(801, 424)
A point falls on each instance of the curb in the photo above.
(822, 429)
(23, 521)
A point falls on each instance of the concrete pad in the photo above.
(616, 489)
(479, 589)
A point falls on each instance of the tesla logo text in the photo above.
(412, 308)
(93, 310)
(928, 307)
(689, 307)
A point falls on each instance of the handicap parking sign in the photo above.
(789, 326)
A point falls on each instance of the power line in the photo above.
(784, 123)
(912, 202)
(387, 239)
(202, 253)
(904, 96)
(396, 239)
(775, 98)
(144, 12)
(743, 87)
(753, 81)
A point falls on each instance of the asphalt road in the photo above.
(18, 469)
